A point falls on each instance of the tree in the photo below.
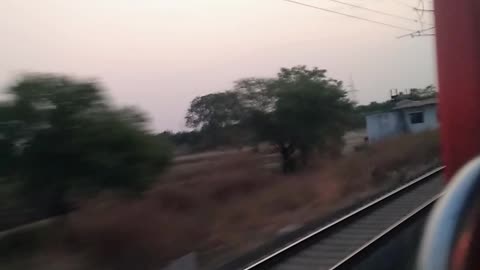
(190, 139)
(422, 93)
(255, 94)
(298, 110)
(214, 110)
(307, 110)
(68, 138)
(213, 114)
(7, 131)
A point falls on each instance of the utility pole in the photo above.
(352, 91)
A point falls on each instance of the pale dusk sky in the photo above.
(160, 54)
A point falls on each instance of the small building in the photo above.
(407, 116)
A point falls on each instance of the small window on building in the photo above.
(416, 118)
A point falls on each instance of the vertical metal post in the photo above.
(458, 53)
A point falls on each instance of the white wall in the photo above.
(388, 124)
(430, 119)
(382, 125)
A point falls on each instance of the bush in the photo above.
(69, 139)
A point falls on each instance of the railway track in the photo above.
(341, 243)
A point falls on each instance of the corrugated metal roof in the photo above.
(414, 103)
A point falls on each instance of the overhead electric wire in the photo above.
(425, 10)
(374, 11)
(418, 33)
(403, 4)
(350, 16)
(422, 13)
(419, 14)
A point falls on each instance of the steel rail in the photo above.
(267, 261)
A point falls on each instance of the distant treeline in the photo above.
(225, 123)
(61, 138)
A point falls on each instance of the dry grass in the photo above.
(226, 205)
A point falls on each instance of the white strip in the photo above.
(355, 212)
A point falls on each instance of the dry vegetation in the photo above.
(223, 206)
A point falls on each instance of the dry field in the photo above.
(218, 206)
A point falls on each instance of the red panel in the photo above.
(458, 49)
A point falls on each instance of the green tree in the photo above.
(306, 110)
(7, 132)
(68, 138)
(213, 115)
(297, 111)
(214, 110)
(422, 93)
(255, 94)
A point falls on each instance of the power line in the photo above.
(348, 15)
(403, 4)
(375, 11)
(418, 33)
(419, 10)
(421, 5)
(424, 10)
(352, 91)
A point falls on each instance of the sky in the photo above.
(160, 54)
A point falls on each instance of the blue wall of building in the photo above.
(430, 119)
(382, 125)
(388, 124)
